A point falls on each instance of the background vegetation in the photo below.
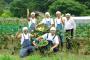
(18, 8)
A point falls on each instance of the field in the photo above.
(9, 46)
(54, 56)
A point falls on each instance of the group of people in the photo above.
(55, 37)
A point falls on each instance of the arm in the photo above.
(62, 20)
(55, 45)
(52, 23)
(18, 35)
(34, 44)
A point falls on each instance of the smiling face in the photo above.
(47, 16)
(52, 32)
(25, 31)
(68, 17)
(58, 14)
(33, 15)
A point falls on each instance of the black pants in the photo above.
(70, 33)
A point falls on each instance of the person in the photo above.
(32, 22)
(59, 23)
(26, 45)
(70, 26)
(52, 38)
(48, 21)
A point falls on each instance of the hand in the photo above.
(36, 46)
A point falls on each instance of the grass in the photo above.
(54, 56)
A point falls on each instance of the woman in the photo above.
(32, 22)
(59, 22)
(48, 21)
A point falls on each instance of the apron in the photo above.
(33, 26)
(48, 23)
(59, 26)
(26, 42)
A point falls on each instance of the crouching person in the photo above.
(52, 38)
(26, 47)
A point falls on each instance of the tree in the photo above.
(68, 6)
(19, 7)
(2, 6)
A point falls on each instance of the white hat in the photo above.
(68, 14)
(25, 28)
(32, 13)
(47, 13)
(53, 28)
(58, 12)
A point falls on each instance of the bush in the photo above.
(6, 14)
(68, 6)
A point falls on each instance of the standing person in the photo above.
(59, 22)
(70, 26)
(26, 45)
(32, 22)
(47, 20)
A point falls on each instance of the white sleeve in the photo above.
(43, 21)
(56, 40)
(52, 22)
(44, 36)
(55, 22)
(74, 24)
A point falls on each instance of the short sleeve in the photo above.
(44, 36)
(52, 22)
(56, 40)
(43, 21)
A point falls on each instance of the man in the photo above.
(52, 38)
(70, 26)
(59, 22)
(47, 20)
(32, 22)
(26, 47)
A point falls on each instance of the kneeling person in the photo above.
(26, 47)
(52, 38)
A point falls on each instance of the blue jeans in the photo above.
(26, 51)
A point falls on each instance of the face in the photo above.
(32, 15)
(68, 17)
(25, 31)
(47, 16)
(52, 32)
(58, 15)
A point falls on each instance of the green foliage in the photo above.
(6, 14)
(2, 6)
(6, 57)
(68, 6)
(19, 7)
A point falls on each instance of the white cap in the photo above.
(53, 28)
(32, 13)
(68, 14)
(58, 12)
(25, 28)
(47, 13)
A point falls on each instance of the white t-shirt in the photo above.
(57, 21)
(47, 19)
(50, 37)
(31, 21)
(69, 24)
(24, 36)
